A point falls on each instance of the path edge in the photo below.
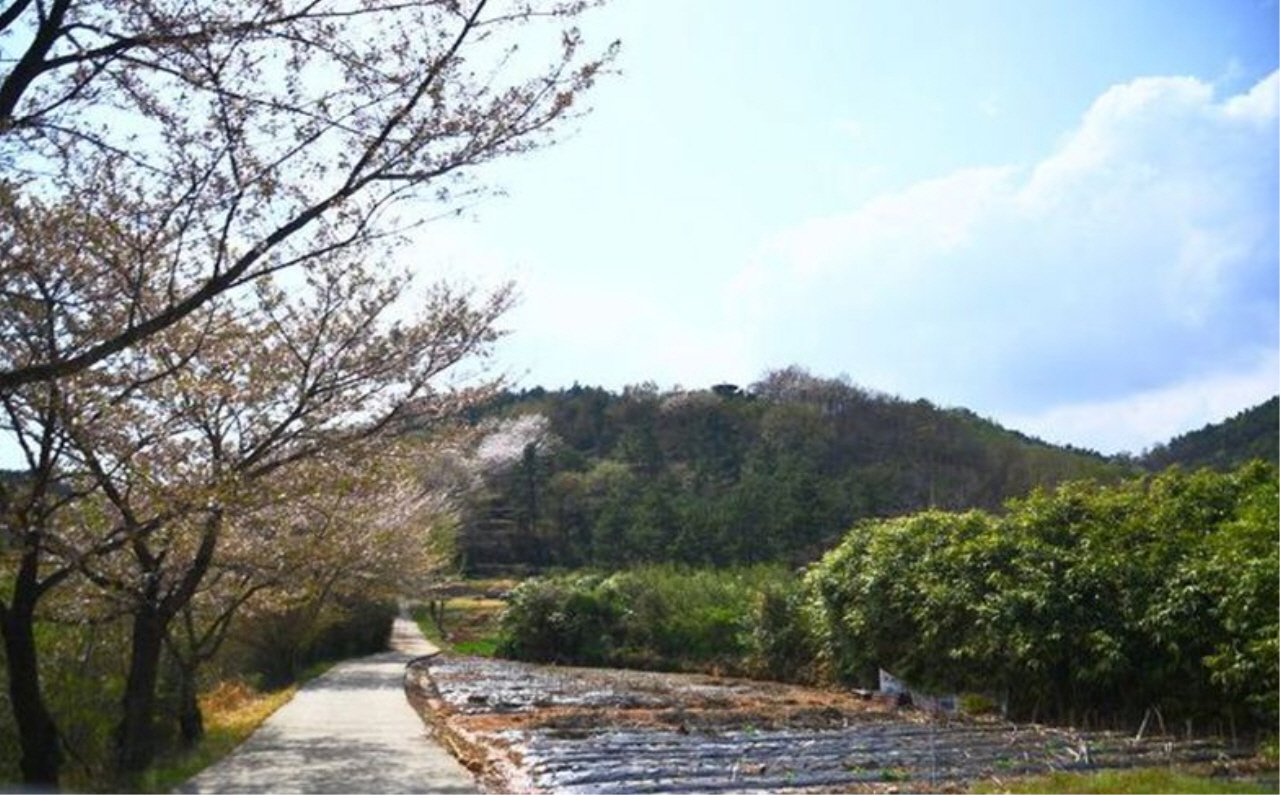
(492, 766)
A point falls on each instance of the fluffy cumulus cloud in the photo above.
(1138, 259)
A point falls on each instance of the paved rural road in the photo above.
(351, 730)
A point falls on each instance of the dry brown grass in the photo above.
(235, 706)
(232, 711)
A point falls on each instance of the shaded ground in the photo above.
(525, 727)
(351, 730)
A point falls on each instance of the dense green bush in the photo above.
(559, 620)
(1087, 601)
(657, 617)
(783, 640)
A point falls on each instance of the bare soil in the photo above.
(533, 728)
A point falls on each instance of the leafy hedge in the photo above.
(1083, 601)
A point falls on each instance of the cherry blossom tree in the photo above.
(158, 154)
(355, 526)
(192, 436)
(193, 198)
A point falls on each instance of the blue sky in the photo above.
(1062, 215)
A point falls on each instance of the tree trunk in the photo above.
(135, 734)
(37, 733)
(190, 721)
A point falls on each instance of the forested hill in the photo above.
(1253, 433)
(775, 471)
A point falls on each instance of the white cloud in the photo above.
(1259, 104)
(599, 326)
(992, 107)
(612, 330)
(1139, 256)
(925, 220)
(1135, 422)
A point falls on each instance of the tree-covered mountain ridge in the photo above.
(777, 470)
(1252, 433)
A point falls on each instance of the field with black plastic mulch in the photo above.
(535, 728)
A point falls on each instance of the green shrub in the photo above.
(1161, 591)
(783, 644)
(1088, 600)
(659, 617)
(83, 678)
(559, 620)
(978, 704)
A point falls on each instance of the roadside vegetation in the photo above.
(257, 670)
(1146, 780)
(464, 617)
(666, 617)
(233, 711)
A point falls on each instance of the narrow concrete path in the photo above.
(351, 730)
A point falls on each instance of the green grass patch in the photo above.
(485, 647)
(466, 624)
(428, 626)
(1144, 780)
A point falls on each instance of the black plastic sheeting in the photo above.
(603, 731)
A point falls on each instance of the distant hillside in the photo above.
(775, 471)
(11, 477)
(1253, 433)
